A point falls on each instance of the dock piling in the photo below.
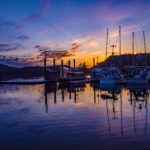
(74, 63)
(62, 68)
(94, 66)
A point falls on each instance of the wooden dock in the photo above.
(25, 82)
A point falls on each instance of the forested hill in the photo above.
(126, 60)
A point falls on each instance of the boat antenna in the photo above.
(113, 47)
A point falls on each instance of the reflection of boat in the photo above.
(139, 95)
(110, 93)
(109, 88)
(139, 99)
(71, 86)
(106, 96)
(137, 88)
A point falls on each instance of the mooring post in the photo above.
(97, 60)
(62, 68)
(69, 63)
(45, 65)
(54, 63)
(94, 66)
(62, 94)
(74, 63)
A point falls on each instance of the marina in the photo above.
(74, 75)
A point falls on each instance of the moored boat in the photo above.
(110, 75)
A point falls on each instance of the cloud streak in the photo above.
(43, 11)
(6, 24)
(58, 54)
(9, 47)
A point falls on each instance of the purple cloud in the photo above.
(58, 54)
(23, 37)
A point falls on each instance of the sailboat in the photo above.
(140, 77)
(110, 75)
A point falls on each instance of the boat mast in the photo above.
(120, 44)
(145, 48)
(106, 47)
(133, 48)
(132, 43)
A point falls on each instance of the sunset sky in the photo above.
(75, 26)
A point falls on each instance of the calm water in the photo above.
(89, 117)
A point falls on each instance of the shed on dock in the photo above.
(51, 75)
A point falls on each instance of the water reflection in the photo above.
(91, 112)
(139, 100)
(110, 94)
(50, 88)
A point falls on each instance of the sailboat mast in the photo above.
(132, 43)
(106, 47)
(120, 44)
(133, 49)
(145, 48)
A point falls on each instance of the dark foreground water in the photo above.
(90, 117)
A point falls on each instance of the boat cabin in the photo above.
(76, 76)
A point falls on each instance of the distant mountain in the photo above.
(7, 72)
(5, 68)
(126, 60)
